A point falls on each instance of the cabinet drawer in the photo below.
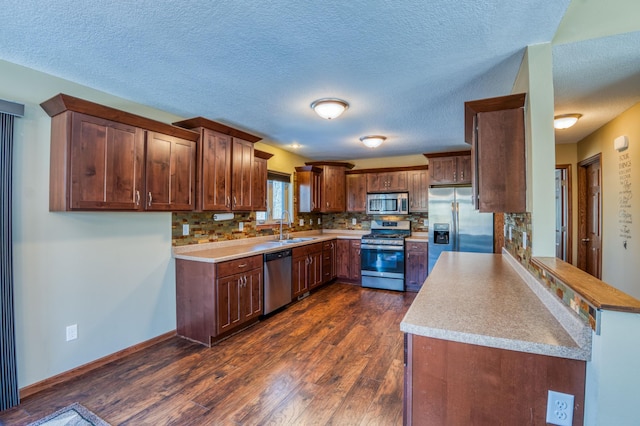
(417, 247)
(239, 265)
(307, 250)
(327, 245)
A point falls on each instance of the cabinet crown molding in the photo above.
(62, 103)
(330, 163)
(195, 122)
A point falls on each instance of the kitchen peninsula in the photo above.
(482, 334)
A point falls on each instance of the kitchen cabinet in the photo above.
(306, 269)
(388, 181)
(495, 129)
(418, 190)
(449, 168)
(328, 261)
(348, 260)
(170, 173)
(98, 159)
(225, 166)
(356, 193)
(416, 265)
(259, 176)
(308, 188)
(332, 185)
(214, 300)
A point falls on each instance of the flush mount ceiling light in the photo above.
(373, 141)
(565, 121)
(329, 108)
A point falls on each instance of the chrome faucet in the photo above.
(282, 220)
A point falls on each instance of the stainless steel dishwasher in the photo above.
(277, 280)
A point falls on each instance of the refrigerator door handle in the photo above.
(454, 227)
(457, 226)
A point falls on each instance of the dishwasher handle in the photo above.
(268, 257)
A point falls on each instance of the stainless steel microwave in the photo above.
(391, 203)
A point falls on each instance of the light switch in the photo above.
(185, 229)
(241, 226)
(354, 221)
(524, 240)
(301, 222)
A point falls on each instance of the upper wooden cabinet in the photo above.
(260, 177)
(387, 182)
(356, 192)
(225, 166)
(98, 159)
(332, 185)
(308, 188)
(449, 168)
(170, 173)
(495, 129)
(418, 190)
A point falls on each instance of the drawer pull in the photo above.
(242, 265)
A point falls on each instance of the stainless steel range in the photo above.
(382, 254)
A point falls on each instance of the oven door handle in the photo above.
(376, 247)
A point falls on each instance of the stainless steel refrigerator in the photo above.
(455, 225)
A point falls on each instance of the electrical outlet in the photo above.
(241, 226)
(185, 229)
(425, 222)
(510, 229)
(72, 332)
(560, 408)
(301, 222)
(311, 221)
(354, 221)
(524, 240)
(319, 221)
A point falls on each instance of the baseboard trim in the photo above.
(30, 390)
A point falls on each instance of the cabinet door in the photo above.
(106, 164)
(354, 261)
(328, 261)
(343, 258)
(332, 193)
(396, 181)
(356, 192)
(241, 170)
(251, 292)
(374, 182)
(418, 191)
(463, 168)
(259, 187)
(315, 269)
(501, 163)
(215, 185)
(308, 191)
(416, 265)
(228, 302)
(170, 173)
(443, 170)
(299, 283)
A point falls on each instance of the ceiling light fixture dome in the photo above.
(373, 141)
(565, 121)
(329, 108)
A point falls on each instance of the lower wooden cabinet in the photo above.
(456, 383)
(328, 261)
(416, 265)
(214, 300)
(306, 269)
(348, 260)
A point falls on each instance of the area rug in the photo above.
(73, 415)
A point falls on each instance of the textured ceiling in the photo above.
(598, 78)
(406, 67)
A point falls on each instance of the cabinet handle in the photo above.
(242, 265)
(228, 203)
(454, 176)
(150, 199)
(313, 206)
(235, 202)
(462, 175)
(137, 197)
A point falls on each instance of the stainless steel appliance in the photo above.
(392, 203)
(277, 280)
(455, 225)
(382, 254)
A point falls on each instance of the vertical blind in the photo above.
(8, 368)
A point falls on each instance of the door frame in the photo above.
(568, 209)
(582, 209)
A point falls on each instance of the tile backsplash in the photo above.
(519, 224)
(203, 229)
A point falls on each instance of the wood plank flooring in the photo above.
(334, 358)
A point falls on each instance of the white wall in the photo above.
(110, 273)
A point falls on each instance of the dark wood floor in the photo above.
(334, 358)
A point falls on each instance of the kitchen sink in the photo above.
(297, 240)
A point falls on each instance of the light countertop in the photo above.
(485, 299)
(236, 249)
